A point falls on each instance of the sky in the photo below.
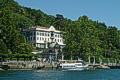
(107, 11)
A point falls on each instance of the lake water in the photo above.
(111, 74)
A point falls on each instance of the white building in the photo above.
(41, 36)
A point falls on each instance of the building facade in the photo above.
(42, 36)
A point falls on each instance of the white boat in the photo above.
(72, 65)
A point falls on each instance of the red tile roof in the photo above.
(28, 30)
(39, 27)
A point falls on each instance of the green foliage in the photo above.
(21, 21)
(22, 39)
(24, 48)
(37, 48)
(83, 37)
(86, 38)
(3, 47)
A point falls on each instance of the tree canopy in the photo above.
(83, 37)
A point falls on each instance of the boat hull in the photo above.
(72, 65)
(74, 69)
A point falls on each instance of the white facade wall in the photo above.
(40, 36)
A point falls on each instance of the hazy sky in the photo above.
(107, 11)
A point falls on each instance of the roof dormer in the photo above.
(52, 28)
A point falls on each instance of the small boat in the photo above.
(72, 65)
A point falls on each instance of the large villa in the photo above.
(41, 36)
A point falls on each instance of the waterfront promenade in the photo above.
(39, 65)
(26, 65)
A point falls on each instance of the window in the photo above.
(52, 33)
(58, 40)
(34, 33)
(37, 38)
(45, 34)
(56, 35)
(78, 64)
(28, 38)
(42, 34)
(37, 33)
(33, 38)
(42, 38)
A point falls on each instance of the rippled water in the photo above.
(112, 74)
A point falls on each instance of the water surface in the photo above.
(112, 74)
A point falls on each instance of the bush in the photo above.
(7, 58)
(14, 58)
(21, 58)
(37, 48)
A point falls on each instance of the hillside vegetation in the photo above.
(83, 38)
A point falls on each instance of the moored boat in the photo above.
(72, 65)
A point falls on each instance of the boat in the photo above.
(72, 65)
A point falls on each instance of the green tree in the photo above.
(3, 47)
(24, 48)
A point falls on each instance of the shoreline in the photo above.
(37, 65)
(48, 68)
